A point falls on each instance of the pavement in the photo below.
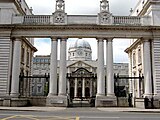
(32, 108)
(107, 109)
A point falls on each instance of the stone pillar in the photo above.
(68, 86)
(62, 68)
(91, 88)
(130, 73)
(147, 68)
(101, 99)
(75, 87)
(110, 76)
(62, 99)
(83, 87)
(100, 69)
(16, 68)
(53, 69)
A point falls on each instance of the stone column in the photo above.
(100, 69)
(83, 87)
(16, 68)
(62, 68)
(91, 87)
(110, 76)
(68, 86)
(130, 73)
(75, 87)
(53, 69)
(147, 68)
(106, 66)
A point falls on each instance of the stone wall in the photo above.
(37, 101)
(123, 102)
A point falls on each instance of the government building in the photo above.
(79, 77)
(81, 72)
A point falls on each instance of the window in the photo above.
(32, 89)
(134, 59)
(39, 80)
(34, 60)
(38, 60)
(137, 10)
(39, 89)
(22, 54)
(46, 60)
(139, 56)
(28, 58)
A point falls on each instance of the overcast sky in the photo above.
(117, 7)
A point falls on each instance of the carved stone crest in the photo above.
(60, 18)
(105, 18)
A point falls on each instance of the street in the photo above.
(77, 114)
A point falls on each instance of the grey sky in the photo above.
(117, 7)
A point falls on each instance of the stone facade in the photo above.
(12, 64)
(143, 55)
(17, 23)
(79, 56)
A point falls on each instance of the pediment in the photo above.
(79, 64)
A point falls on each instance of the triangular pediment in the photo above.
(79, 64)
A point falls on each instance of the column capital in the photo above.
(17, 38)
(109, 39)
(64, 39)
(100, 39)
(54, 39)
(147, 39)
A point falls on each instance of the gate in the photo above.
(122, 91)
(37, 85)
(81, 100)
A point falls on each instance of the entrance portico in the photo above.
(61, 26)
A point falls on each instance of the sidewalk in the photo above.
(125, 109)
(32, 108)
(107, 109)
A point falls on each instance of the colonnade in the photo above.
(109, 68)
(100, 69)
(62, 72)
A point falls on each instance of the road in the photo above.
(77, 114)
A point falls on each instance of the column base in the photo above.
(14, 95)
(57, 101)
(147, 103)
(105, 101)
(51, 94)
(15, 102)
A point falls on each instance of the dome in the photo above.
(80, 43)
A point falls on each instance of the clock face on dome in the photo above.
(79, 52)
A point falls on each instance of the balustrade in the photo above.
(46, 19)
(131, 20)
(37, 19)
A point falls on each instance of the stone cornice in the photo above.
(74, 30)
(133, 45)
(29, 44)
(81, 26)
(84, 26)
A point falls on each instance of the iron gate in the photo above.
(37, 85)
(121, 91)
